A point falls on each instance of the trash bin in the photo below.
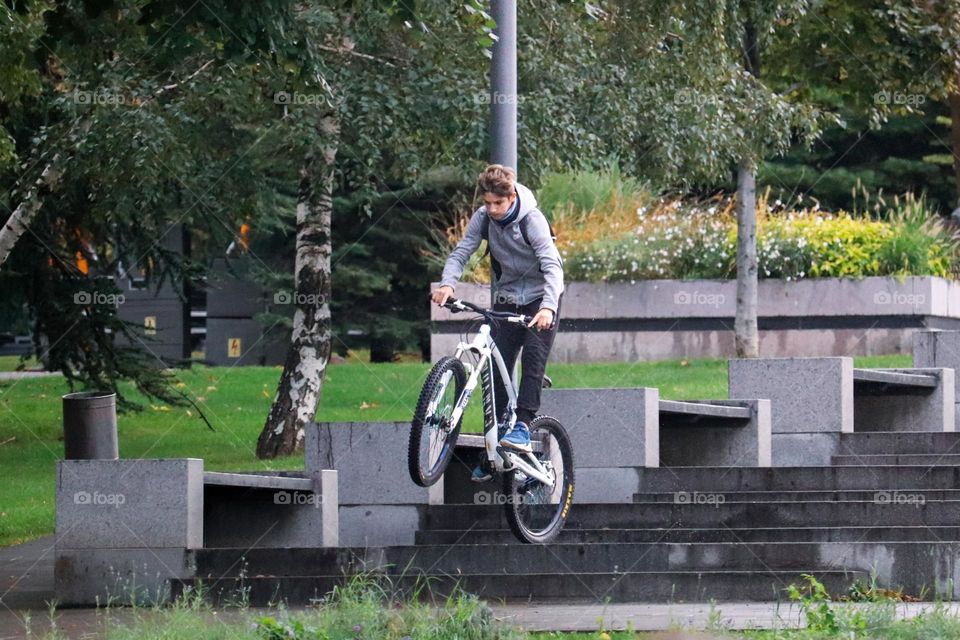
(90, 426)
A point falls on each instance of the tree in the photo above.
(423, 65)
(299, 389)
(114, 144)
(868, 61)
(719, 113)
(368, 109)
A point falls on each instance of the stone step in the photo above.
(918, 558)
(898, 459)
(892, 381)
(680, 413)
(879, 533)
(900, 442)
(894, 509)
(654, 586)
(720, 479)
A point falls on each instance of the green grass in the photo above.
(369, 607)
(12, 363)
(236, 401)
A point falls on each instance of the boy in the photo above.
(528, 273)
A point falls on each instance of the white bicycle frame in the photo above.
(487, 354)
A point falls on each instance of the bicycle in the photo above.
(538, 486)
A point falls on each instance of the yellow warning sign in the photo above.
(150, 325)
(233, 347)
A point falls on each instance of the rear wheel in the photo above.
(537, 512)
(432, 434)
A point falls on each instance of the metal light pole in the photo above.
(503, 93)
(503, 85)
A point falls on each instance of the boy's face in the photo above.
(497, 205)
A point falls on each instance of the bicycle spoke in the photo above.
(537, 509)
(433, 433)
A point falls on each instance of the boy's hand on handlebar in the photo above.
(543, 319)
(442, 294)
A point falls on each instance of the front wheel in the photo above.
(536, 512)
(432, 433)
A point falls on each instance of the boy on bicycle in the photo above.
(528, 273)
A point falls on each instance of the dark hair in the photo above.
(497, 179)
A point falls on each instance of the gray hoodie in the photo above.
(528, 271)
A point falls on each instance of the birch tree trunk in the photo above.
(746, 334)
(298, 391)
(19, 221)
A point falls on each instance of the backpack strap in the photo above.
(523, 231)
(525, 222)
(485, 234)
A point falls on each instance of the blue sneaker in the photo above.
(481, 474)
(518, 438)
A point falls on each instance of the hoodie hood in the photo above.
(527, 202)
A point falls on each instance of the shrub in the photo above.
(920, 242)
(583, 192)
(610, 228)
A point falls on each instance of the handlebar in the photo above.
(457, 305)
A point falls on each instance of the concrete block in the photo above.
(256, 517)
(661, 319)
(927, 410)
(591, 484)
(804, 449)
(118, 504)
(827, 396)
(589, 344)
(612, 432)
(605, 484)
(938, 349)
(371, 458)
(377, 525)
(124, 528)
(811, 401)
(98, 577)
(807, 395)
(720, 442)
(608, 427)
